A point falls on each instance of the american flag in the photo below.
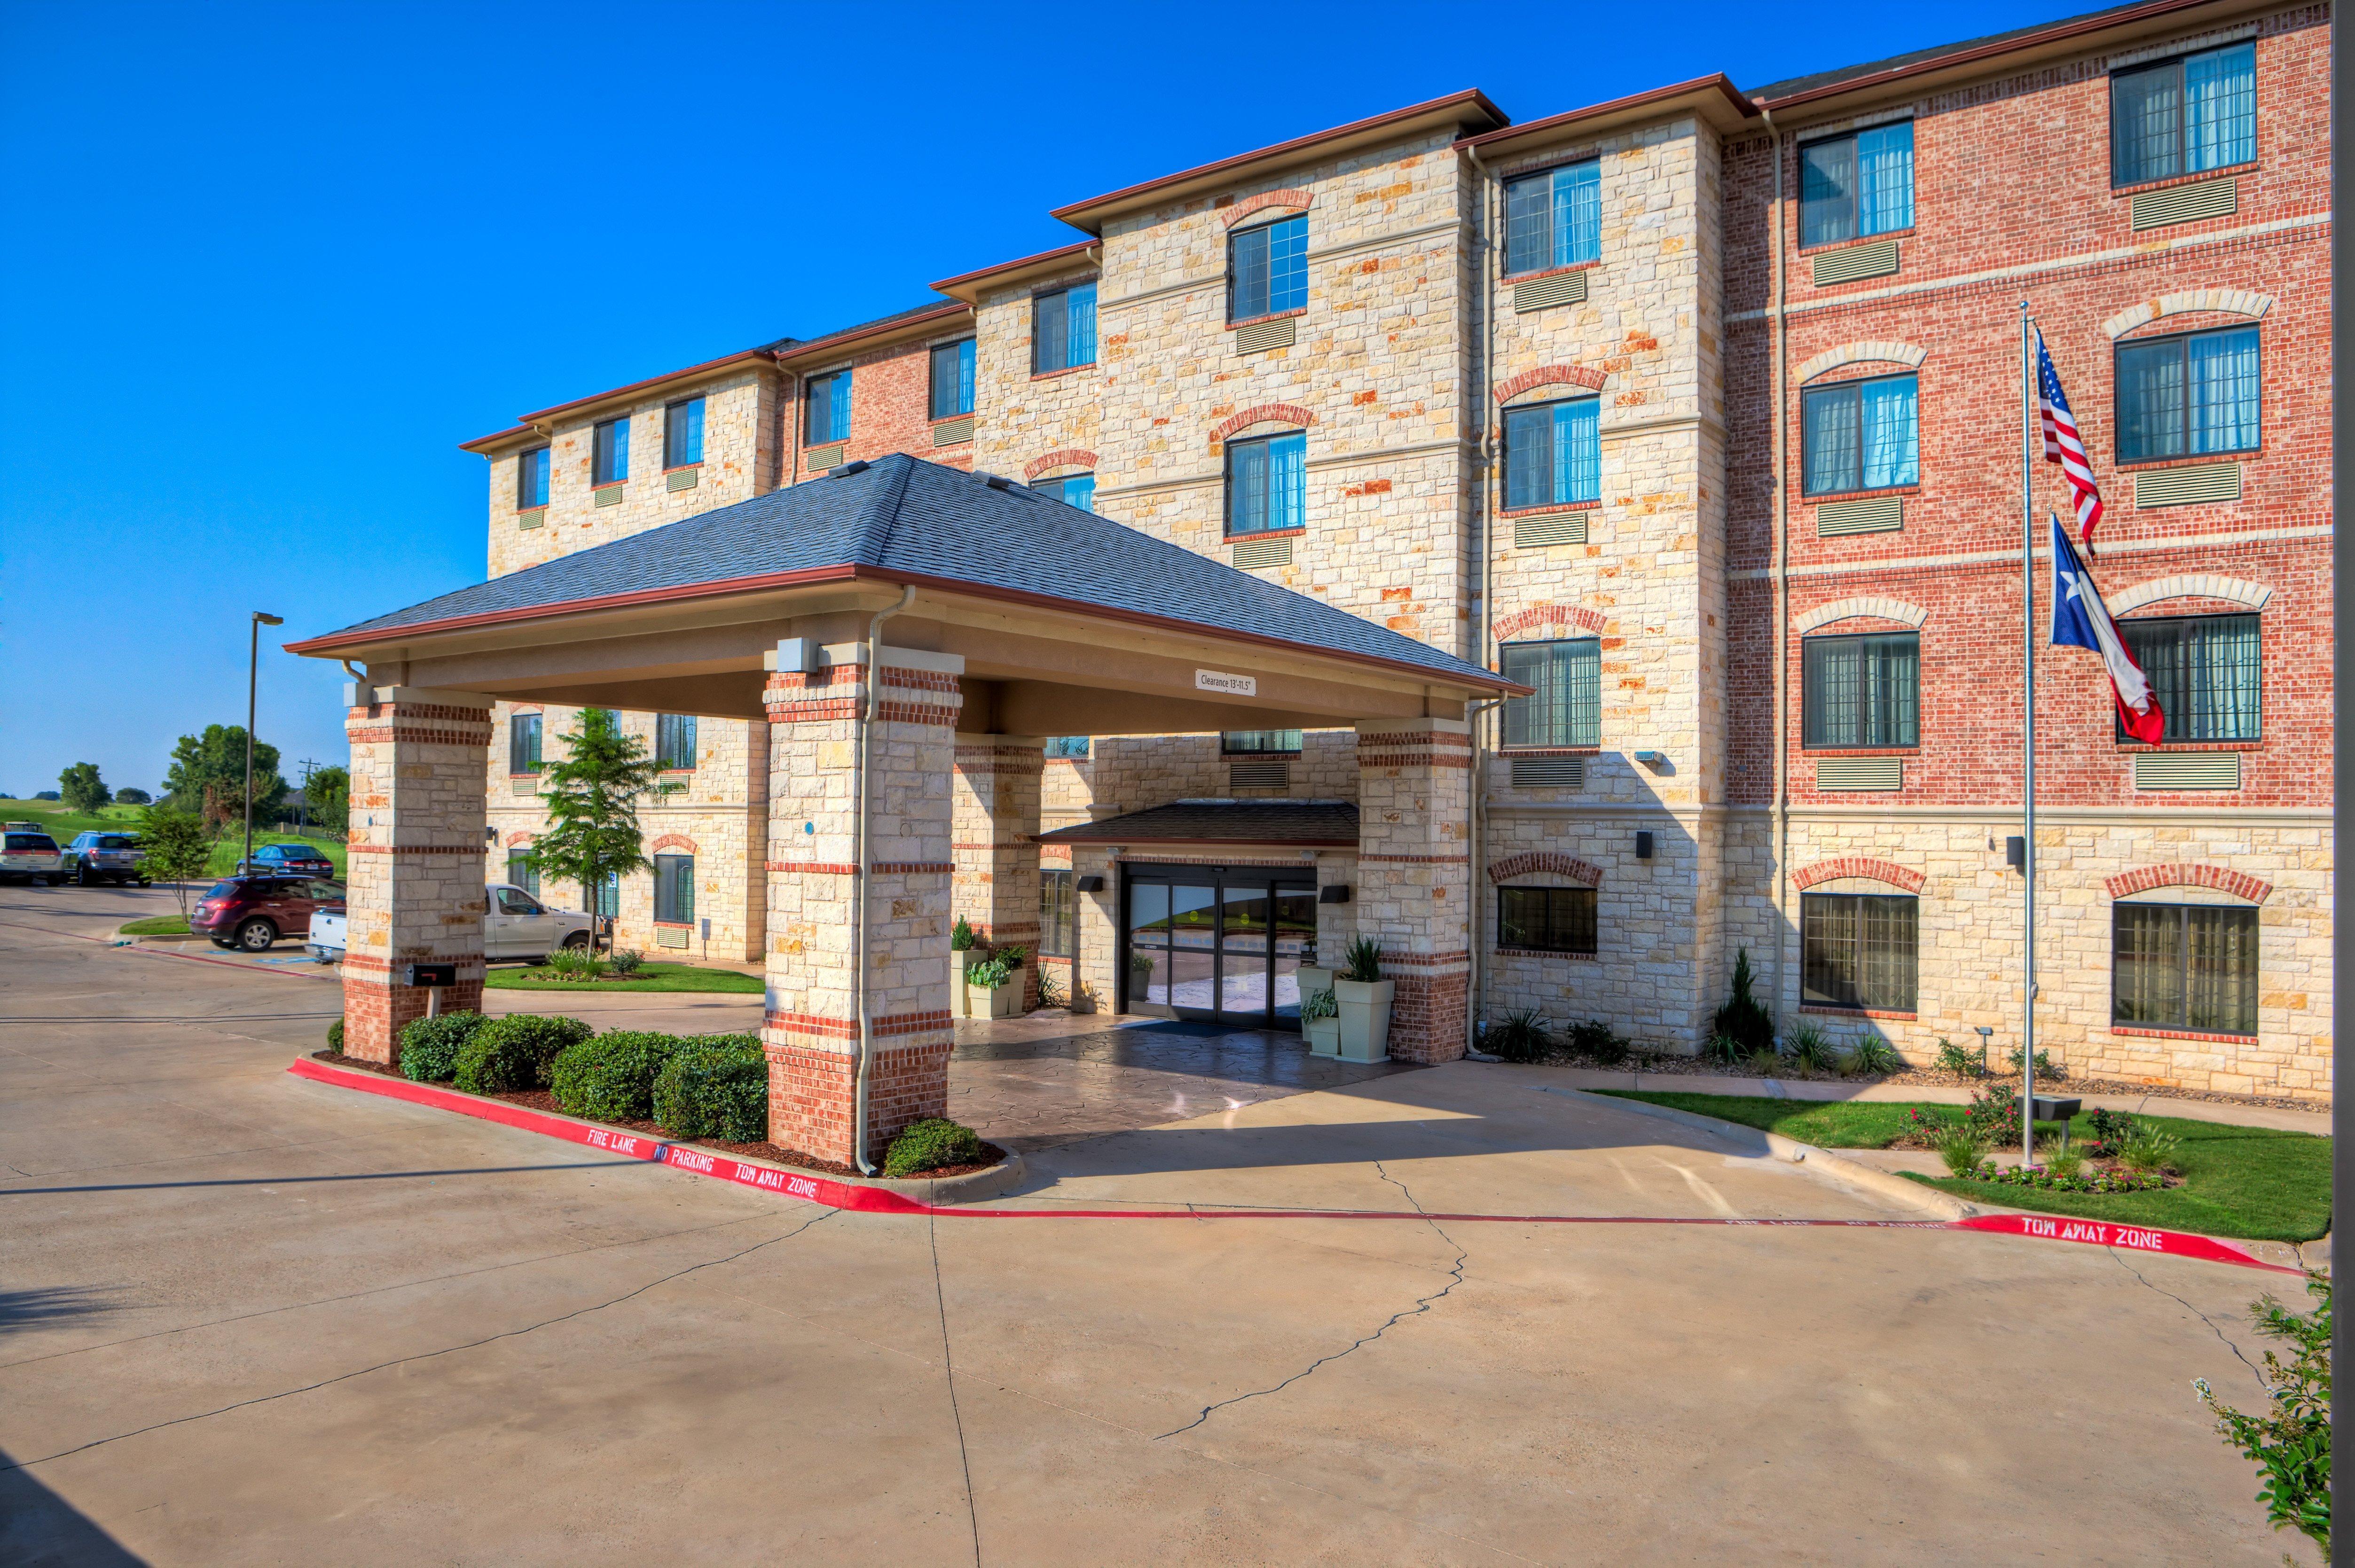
(2062, 445)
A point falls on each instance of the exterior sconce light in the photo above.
(1643, 846)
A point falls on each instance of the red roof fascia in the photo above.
(946, 284)
(1724, 84)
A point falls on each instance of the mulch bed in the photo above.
(776, 1154)
(1696, 1067)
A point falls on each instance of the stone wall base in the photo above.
(376, 1011)
(813, 1091)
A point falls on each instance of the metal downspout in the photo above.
(1782, 525)
(859, 895)
(1484, 583)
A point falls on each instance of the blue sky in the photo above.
(266, 266)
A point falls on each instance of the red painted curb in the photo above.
(833, 1194)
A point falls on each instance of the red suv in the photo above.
(252, 912)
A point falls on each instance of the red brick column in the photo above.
(996, 843)
(1414, 876)
(811, 1031)
(414, 882)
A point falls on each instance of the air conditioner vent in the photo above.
(2186, 203)
(1251, 553)
(1548, 772)
(1259, 337)
(950, 432)
(1873, 515)
(2187, 770)
(1260, 773)
(1835, 773)
(1851, 263)
(1543, 293)
(610, 495)
(821, 458)
(1549, 528)
(2186, 486)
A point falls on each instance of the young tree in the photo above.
(177, 849)
(129, 796)
(213, 764)
(328, 797)
(2291, 1442)
(591, 801)
(82, 788)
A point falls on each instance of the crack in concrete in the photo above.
(948, 1369)
(2203, 1318)
(422, 1355)
(1422, 1305)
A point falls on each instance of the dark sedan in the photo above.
(253, 913)
(290, 861)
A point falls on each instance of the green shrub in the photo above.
(2150, 1150)
(1598, 1042)
(336, 1036)
(1725, 1051)
(1954, 1059)
(2068, 1164)
(611, 1077)
(1994, 1115)
(2044, 1068)
(961, 936)
(1362, 961)
(627, 962)
(1321, 1004)
(1962, 1148)
(2291, 1442)
(1519, 1036)
(1051, 993)
(1766, 1064)
(575, 963)
(989, 974)
(1742, 1019)
(430, 1047)
(1810, 1049)
(1872, 1055)
(716, 1087)
(514, 1052)
(929, 1144)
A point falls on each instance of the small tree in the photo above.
(2291, 1444)
(1742, 1018)
(327, 798)
(591, 801)
(129, 796)
(82, 788)
(176, 848)
(207, 773)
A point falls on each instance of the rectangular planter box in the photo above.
(1365, 1018)
(981, 1002)
(1323, 1036)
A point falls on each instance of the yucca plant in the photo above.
(1766, 1063)
(1961, 1148)
(575, 963)
(1362, 961)
(1872, 1055)
(1519, 1036)
(2150, 1149)
(1810, 1049)
(1725, 1051)
(2066, 1163)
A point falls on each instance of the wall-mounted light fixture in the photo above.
(1653, 759)
(1643, 846)
(1091, 884)
(2015, 852)
(1336, 893)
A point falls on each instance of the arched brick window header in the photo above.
(672, 841)
(518, 840)
(1295, 199)
(1064, 457)
(2192, 585)
(1541, 862)
(1258, 413)
(2229, 301)
(1550, 376)
(1883, 609)
(2143, 879)
(1868, 352)
(1889, 871)
(1560, 617)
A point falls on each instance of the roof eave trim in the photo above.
(1008, 271)
(826, 347)
(748, 356)
(1058, 837)
(1660, 98)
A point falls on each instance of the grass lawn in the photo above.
(155, 925)
(650, 976)
(2252, 1182)
(62, 825)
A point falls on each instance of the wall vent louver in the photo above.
(1254, 554)
(610, 495)
(2187, 770)
(1260, 773)
(1850, 263)
(1876, 515)
(1548, 772)
(671, 936)
(820, 458)
(2184, 486)
(950, 432)
(1259, 337)
(1543, 293)
(1549, 528)
(682, 478)
(534, 518)
(1834, 774)
(2186, 203)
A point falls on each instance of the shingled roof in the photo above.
(1304, 823)
(900, 520)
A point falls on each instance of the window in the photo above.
(1248, 742)
(2181, 116)
(674, 890)
(1567, 710)
(1854, 185)
(523, 743)
(1073, 490)
(1861, 435)
(674, 741)
(1267, 484)
(607, 900)
(2191, 966)
(531, 479)
(512, 901)
(523, 871)
(1066, 746)
(1554, 220)
(1546, 920)
(953, 380)
(2205, 672)
(1063, 329)
(683, 433)
(1055, 914)
(1857, 951)
(609, 461)
(1553, 453)
(829, 408)
(1861, 691)
(1267, 270)
(2188, 395)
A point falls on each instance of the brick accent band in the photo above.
(673, 841)
(1281, 413)
(1364, 860)
(1550, 376)
(1547, 617)
(413, 848)
(1295, 199)
(417, 736)
(1858, 865)
(2143, 879)
(1545, 863)
(1061, 457)
(890, 1028)
(881, 869)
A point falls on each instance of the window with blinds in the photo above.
(1547, 920)
(828, 418)
(1073, 490)
(2184, 116)
(953, 380)
(1856, 184)
(675, 890)
(2187, 966)
(1856, 950)
(1267, 484)
(1267, 270)
(683, 433)
(1063, 329)
(1566, 708)
(1260, 742)
(1861, 435)
(531, 479)
(1553, 453)
(2188, 395)
(2206, 672)
(674, 741)
(1861, 691)
(523, 871)
(523, 743)
(1555, 219)
(608, 452)
(1056, 913)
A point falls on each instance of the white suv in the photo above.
(516, 926)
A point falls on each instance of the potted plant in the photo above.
(1313, 980)
(1320, 1022)
(963, 955)
(1365, 1002)
(987, 994)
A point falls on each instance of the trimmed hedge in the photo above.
(516, 1053)
(336, 1036)
(715, 1087)
(611, 1077)
(931, 1144)
(430, 1047)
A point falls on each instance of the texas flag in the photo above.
(2080, 620)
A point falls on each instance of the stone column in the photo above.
(1414, 876)
(414, 883)
(996, 835)
(811, 1031)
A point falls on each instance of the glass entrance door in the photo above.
(1219, 945)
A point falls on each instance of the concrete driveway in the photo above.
(248, 1318)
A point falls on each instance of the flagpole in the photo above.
(2028, 430)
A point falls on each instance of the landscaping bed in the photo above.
(644, 977)
(2254, 1183)
(156, 925)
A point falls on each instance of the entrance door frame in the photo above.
(1271, 878)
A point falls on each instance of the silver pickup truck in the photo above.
(518, 926)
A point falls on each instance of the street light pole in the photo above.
(253, 673)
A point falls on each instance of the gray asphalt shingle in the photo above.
(1308, 822)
